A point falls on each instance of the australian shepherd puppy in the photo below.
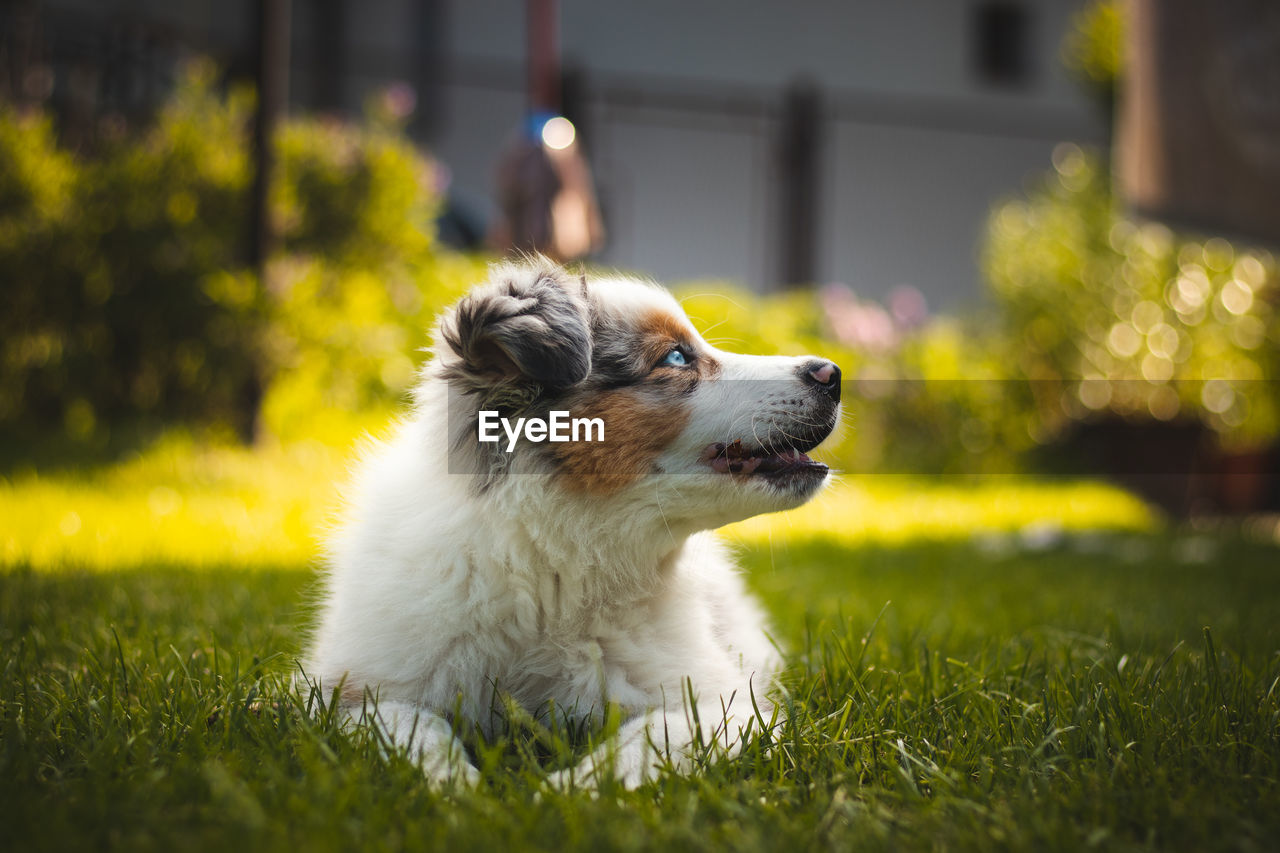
(578, 573)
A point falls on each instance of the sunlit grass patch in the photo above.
(176, 504)
(894, 509)
(182, 503)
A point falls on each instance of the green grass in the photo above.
(1011, 690)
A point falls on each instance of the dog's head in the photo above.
(704, 436)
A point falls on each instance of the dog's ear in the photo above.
(528, 324)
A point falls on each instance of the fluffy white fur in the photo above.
(439, 591)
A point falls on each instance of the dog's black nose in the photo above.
(825, 375)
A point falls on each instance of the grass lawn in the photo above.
(1073, 675)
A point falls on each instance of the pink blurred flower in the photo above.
(908, 306)
(399, 100)
(864, 325)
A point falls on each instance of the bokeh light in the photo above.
(558, 133)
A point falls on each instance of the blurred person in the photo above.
(546, 196)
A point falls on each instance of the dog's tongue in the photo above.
(732, 459)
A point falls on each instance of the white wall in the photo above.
(684, 198)
(908, 206)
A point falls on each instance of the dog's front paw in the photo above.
(566, 780)
(627, 765)
(450, 772)
(465, 776)
(582, 778)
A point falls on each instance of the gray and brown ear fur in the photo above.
(529, 325)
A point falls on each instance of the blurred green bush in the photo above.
(345, 342)
(1126, 320)
(118, 298)
(355, 291)
(1092, 50)
(127, 296)
(354, 195)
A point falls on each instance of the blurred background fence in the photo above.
(1078, 336)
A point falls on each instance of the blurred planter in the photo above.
(1244, 481)
(1161, 462)
(1176, 466)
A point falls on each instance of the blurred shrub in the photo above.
(127, 297)
(37, 188)
(357, 196)
(356, 289)
(1126, 320)
(119, 300)
(344, 340)
(948, 405)
(1093, 48)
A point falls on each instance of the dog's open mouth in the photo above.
(734, 458)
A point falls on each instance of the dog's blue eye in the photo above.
(675, 358)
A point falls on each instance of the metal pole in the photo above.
(273, 93)
(272, 77)
(800, 164)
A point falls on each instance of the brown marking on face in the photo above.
(661, 330)
(639, 423)
(659, 326)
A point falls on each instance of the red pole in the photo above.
(544, 56)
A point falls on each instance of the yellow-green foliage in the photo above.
(106, 261)
(356, 290)
(37, 175)
(1163, 326)
(347, 342)
(1093, 48)
(782, 323)
(357, 196)
(128, 297)
(36, 188)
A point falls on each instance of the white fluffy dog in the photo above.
(569, 572)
